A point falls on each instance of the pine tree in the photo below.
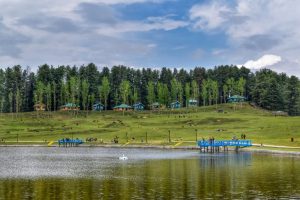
(11, 101)
(54, 95)
(135, 95)
(105, 90)
(48, 96)
(215, 91)
(180, 92)
(204, 92)
(124, 91)
(84, 94)
(225, 92)
(174, 89)
(187, 91)
(293, 96)
(195, 91)
(18, 101)
(241, 86)
(150, 93)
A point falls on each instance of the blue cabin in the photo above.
(122, 107)
(193, 103)
(236, 98)
(175, 105)
(138, 106)
(98, 107)
(69, 106)
(155, 106)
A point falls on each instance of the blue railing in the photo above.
(224, 143)
(70, 142)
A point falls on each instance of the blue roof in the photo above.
(237, 97)
(97, 104)
(70, 105)
(123, 106)
(138, 104)
(193, 101)
(175, 102)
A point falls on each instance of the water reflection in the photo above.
(96, 173)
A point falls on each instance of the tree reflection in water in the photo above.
(226, 176)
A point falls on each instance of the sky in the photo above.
(151, 33)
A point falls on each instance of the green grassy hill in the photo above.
(258, 125)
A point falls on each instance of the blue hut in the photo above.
(138, 106)
(122, 107)
(175, 105)
(69, 106)
(236, 98)
(155, 106)
(193, 103)
(98, 107)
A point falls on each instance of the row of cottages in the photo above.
(137, 106)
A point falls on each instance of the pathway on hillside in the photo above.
(275, 146)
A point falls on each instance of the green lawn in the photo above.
(258, 125)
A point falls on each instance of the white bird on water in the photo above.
(123, 157)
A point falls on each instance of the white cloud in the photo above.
(58, 33)
(208, 16)
(152, 45)
(198, 54)
(254, 28)
(161, 23)
(262, 62)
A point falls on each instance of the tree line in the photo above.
(20, 88)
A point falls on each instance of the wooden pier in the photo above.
(213, 146)
(66, 142)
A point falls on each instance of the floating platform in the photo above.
(70, 142)
(218, 145)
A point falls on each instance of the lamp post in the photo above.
(196, 131)
(146, 137)
(169, 136)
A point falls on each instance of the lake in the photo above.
(97, 173)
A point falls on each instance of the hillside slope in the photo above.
(258, 125)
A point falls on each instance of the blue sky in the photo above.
(151, 33)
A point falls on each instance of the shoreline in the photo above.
(165, 147)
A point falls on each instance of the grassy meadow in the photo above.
(259, 125)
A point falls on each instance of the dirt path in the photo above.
(275, 146)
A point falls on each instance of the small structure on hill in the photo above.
(138, 106)
(39, 107)
(98, 107)
(193, 103)
(155, 106)
(69, 106)
(279, 113)
(236, 98)
(175, 105)
(122, 107)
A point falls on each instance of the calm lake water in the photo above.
(97, 173)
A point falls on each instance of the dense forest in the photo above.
(20, 88)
